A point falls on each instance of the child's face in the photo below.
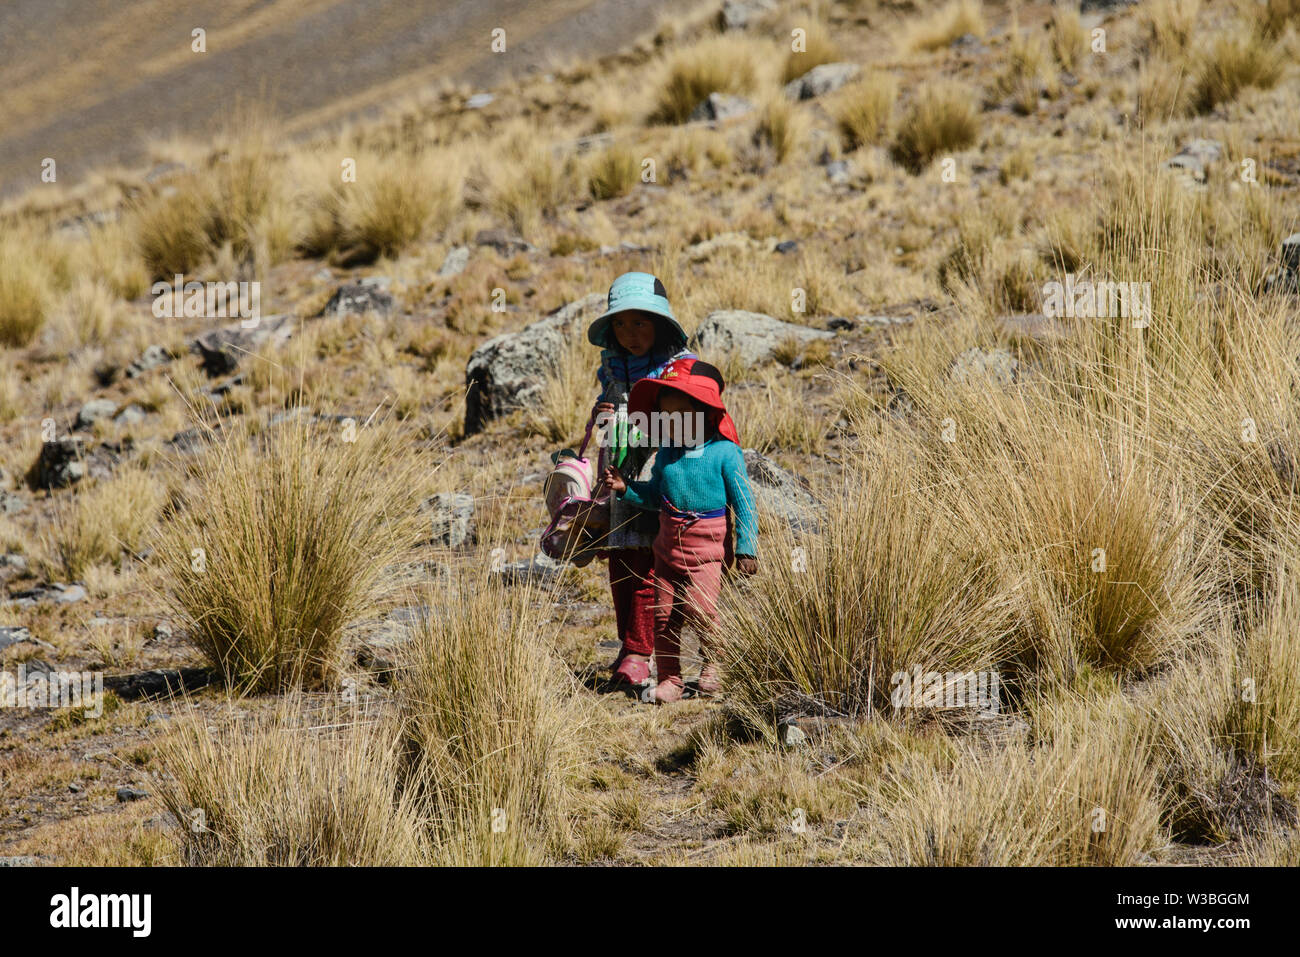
(672, 401)
(635, 332)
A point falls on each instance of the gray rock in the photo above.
(838, 172)
(55, 592)
(753, 336)
(976, 367)
(358, 299)
(131, 415)
(24, 861)
(11, 503)
(127, 794)
(538, 570)
(721, 106)
(93, 411)
(780, 494)
(590, 143)
(1195, 158)
(1089, 6)
(503, 242)
(455, 262)
(451, 518)
(742, 14)
(162, 631)
(13, 560)
(11, 635)
(792, 736)
(787, 246)
(189, 441)
(152, 358)
(62, 463)
(479, 100)
(222, 349)
(820, 80)
(508, 372)
(66, 461)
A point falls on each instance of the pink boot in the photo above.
(667, 691)
(633, 670)
(710, 679)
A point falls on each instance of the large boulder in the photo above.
(754, 337)
(820, 80)
(509, 371)
(781, 494)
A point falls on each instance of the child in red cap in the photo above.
(698, 477)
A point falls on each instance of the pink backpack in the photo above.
(579, 521)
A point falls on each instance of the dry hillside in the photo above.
(321, 532)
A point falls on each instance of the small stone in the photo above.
(838, 172)
(93, 411)
(11, 504)
(74, 787)
(820, 80)
(13, 560)
(358, 299)
(503, 242)
(127, 794)
(792, 736)
(11, 635)
(455, 262)
(787, 246)
(162, 631)
(452, 519)
(721, 106)
(479, 100)
(152, 357)
(840, 323)
(131, 415)
(741, 14)
(25, 861)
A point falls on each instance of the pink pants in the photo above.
(689, 557)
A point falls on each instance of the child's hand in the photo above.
(614, 479)
(604, 408)
(746, 565)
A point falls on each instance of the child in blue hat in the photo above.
(639, 336)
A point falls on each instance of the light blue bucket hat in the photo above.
(640, 292)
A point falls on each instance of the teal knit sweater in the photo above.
(702, 479)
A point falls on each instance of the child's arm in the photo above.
(740, 498)
(641, 494)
